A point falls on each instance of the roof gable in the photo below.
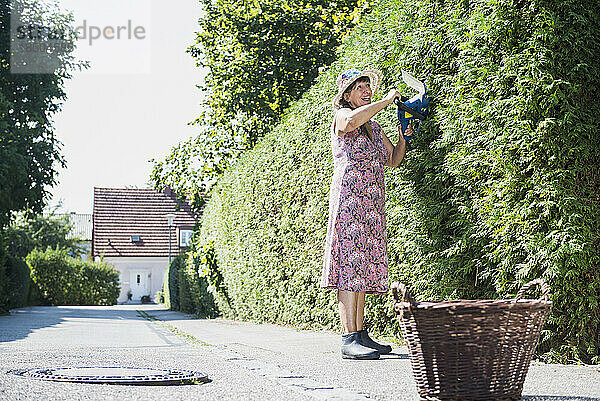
(121, 213)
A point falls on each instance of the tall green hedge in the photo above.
(170, 288)
(59, 279)
(503, 186)
(185, 290)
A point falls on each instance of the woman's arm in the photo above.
(396, 152)
(347, 120)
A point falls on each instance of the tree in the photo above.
(31, 232)
(29, 150)
(261, 55)
(193, 166)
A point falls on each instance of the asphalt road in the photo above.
(243, 361)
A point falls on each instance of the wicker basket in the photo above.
(471, 350)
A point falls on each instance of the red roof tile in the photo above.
(120, 213)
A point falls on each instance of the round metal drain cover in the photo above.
(115, 375)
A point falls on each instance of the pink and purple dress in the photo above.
(356, 245)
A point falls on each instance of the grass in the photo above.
(190, 339)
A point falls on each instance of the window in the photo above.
(185, 237)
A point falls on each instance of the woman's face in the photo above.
(359, 95)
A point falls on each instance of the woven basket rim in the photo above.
(480, 303)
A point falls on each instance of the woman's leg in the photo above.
(365, 339)
(347, 302)
(351, 345)
(360, 310)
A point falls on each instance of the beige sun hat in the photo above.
(346, 79)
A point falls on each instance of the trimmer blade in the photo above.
(413, 82)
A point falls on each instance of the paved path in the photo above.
(244, 361)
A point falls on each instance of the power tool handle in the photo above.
(415, 113)
(400, 100)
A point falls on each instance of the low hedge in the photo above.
(59, 279)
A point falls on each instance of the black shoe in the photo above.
(369, 343)
(353, 349)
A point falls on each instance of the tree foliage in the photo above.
(27, 233)
(503, 186)
(260, 56)
(29, 150)
(30, 231)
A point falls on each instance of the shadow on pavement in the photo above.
(160, 312)
(23, 321)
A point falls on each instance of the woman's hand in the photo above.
(409, 130)
(392, 94)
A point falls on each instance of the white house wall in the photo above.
(154, 266)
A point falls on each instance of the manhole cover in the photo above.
(115, 375)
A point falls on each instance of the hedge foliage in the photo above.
(14, 279)
(259, 56)
(29, 231)
(185, 290)
(18, 282)
(503, 186)
(59, 279)
(4, 297)
(170, 289)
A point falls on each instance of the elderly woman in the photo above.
(355, 261)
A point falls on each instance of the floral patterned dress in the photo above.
(356, 245)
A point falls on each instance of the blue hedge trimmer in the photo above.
(415, 108)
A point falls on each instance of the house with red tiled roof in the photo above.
(137, 231)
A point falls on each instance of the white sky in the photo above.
(135, 101)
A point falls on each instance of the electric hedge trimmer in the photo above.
(414, 108)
